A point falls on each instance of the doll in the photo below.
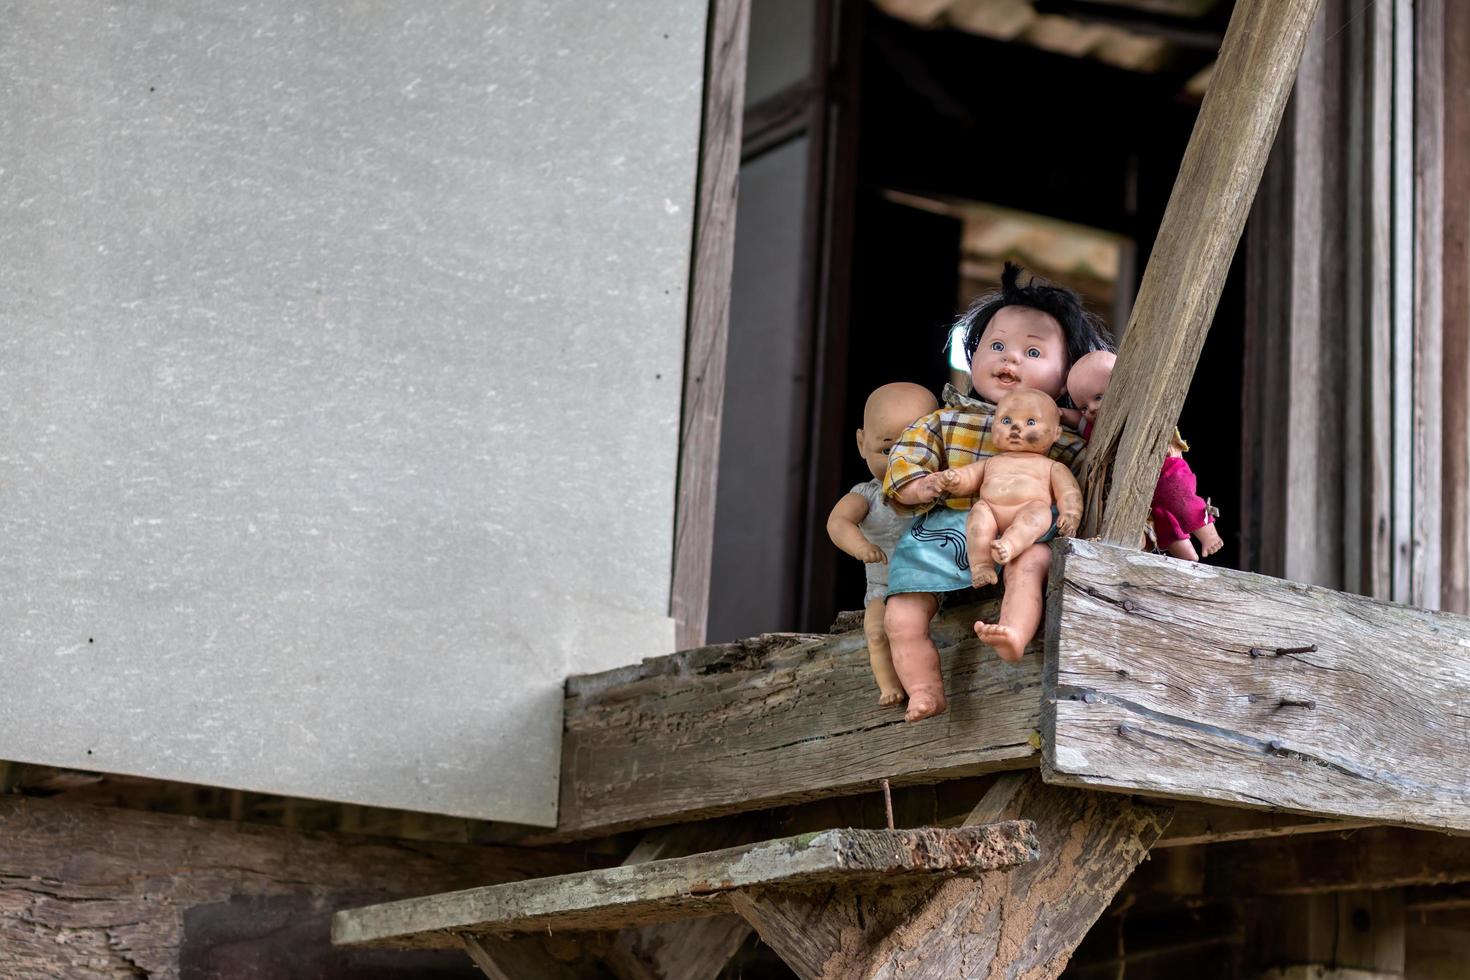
(1177, 512)
(866, 527)
(1019, 337)
(1022, 497)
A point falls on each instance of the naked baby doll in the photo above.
(1019, 337)
(867, 528)
(1177, 512)
(1022, 497)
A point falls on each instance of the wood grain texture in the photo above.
(1008, 924)
(1186, 272)
(1428, 331)
(1181, 680)
(1196, 823)
(751, 725)
(93, 892)
(709, 317)
(685, 887)
(1455, 554)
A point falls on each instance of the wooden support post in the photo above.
(1338, 936)
(709, 317)
(1004, 924)
(1191, 256)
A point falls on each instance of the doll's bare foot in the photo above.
(983, 574)
(926, 702)
(1000, 552)
(890, 696)
(1005, 639)
(1182, 549)
(1209, 540)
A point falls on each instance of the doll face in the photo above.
(1087, 382)
(890, 410)
(1026, 421)
(1020, 348)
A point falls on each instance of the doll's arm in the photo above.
(916, 493)
(917, 455)
(1071, 417)
(1068, 496)
(842, 528)
(962, 481)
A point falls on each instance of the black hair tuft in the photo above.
(1083, 331)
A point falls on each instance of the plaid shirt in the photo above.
(954, 436)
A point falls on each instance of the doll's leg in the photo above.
(979, 536)
(1021, 606)
(890, 689)
(1029, 524)
(915, 658)
(1209, 539)
(1182, 549)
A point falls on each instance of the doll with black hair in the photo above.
(1018, 337)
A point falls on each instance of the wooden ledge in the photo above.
(685, 887)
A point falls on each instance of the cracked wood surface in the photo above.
(781, 719)
(697, 885)
(1021, 923)
(96, 892)
(1184, 680)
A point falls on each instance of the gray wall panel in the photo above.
(340, 376)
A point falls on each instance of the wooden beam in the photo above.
(700, 884)
(98, 891)
(1013, 923)
(1198, 823)
(1187, 681)
(1456, 299)
(709, 316)
(1377, 858)
(1191, 256)
(770, 721)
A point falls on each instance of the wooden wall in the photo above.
(1356, 403)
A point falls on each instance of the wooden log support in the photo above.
(1024, 922)
(693, 886)
(1186, 272)
(1382, 857)
(761, 723)
(1182, 680)
(94, 892)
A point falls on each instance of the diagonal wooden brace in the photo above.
(1020, 922)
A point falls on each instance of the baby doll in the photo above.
(1178, 511)
(866, 527)
(1022, 497)
(1020, 337)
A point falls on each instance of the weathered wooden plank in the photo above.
(1455, 564)
(1378, 857)
(1008, 924)
(1191, 257)
(1183, 680)
(752, 725)
(1196, 823)
(692, 886)
(90, 892)
(709, 317)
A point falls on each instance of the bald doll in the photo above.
(867, 528)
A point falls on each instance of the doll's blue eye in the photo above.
(997, 346)
(1030, 421)
(1033, 352)
(1006, 420)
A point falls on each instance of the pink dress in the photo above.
(1177, 509)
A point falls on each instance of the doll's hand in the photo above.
(927, 489)
(1067, 522)
(948, 481)
(871, 554)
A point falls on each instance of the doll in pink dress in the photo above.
(1178, 512)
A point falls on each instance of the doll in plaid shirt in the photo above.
(1020, 337)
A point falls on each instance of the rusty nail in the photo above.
(1127, 605)
(1257, 652)
(1309, 648)
(1296, 703)
(1275, 745)
(887, 802)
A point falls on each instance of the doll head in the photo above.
(1027, 337)
(888, 411)
(1087, 382)
(1026, 421)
